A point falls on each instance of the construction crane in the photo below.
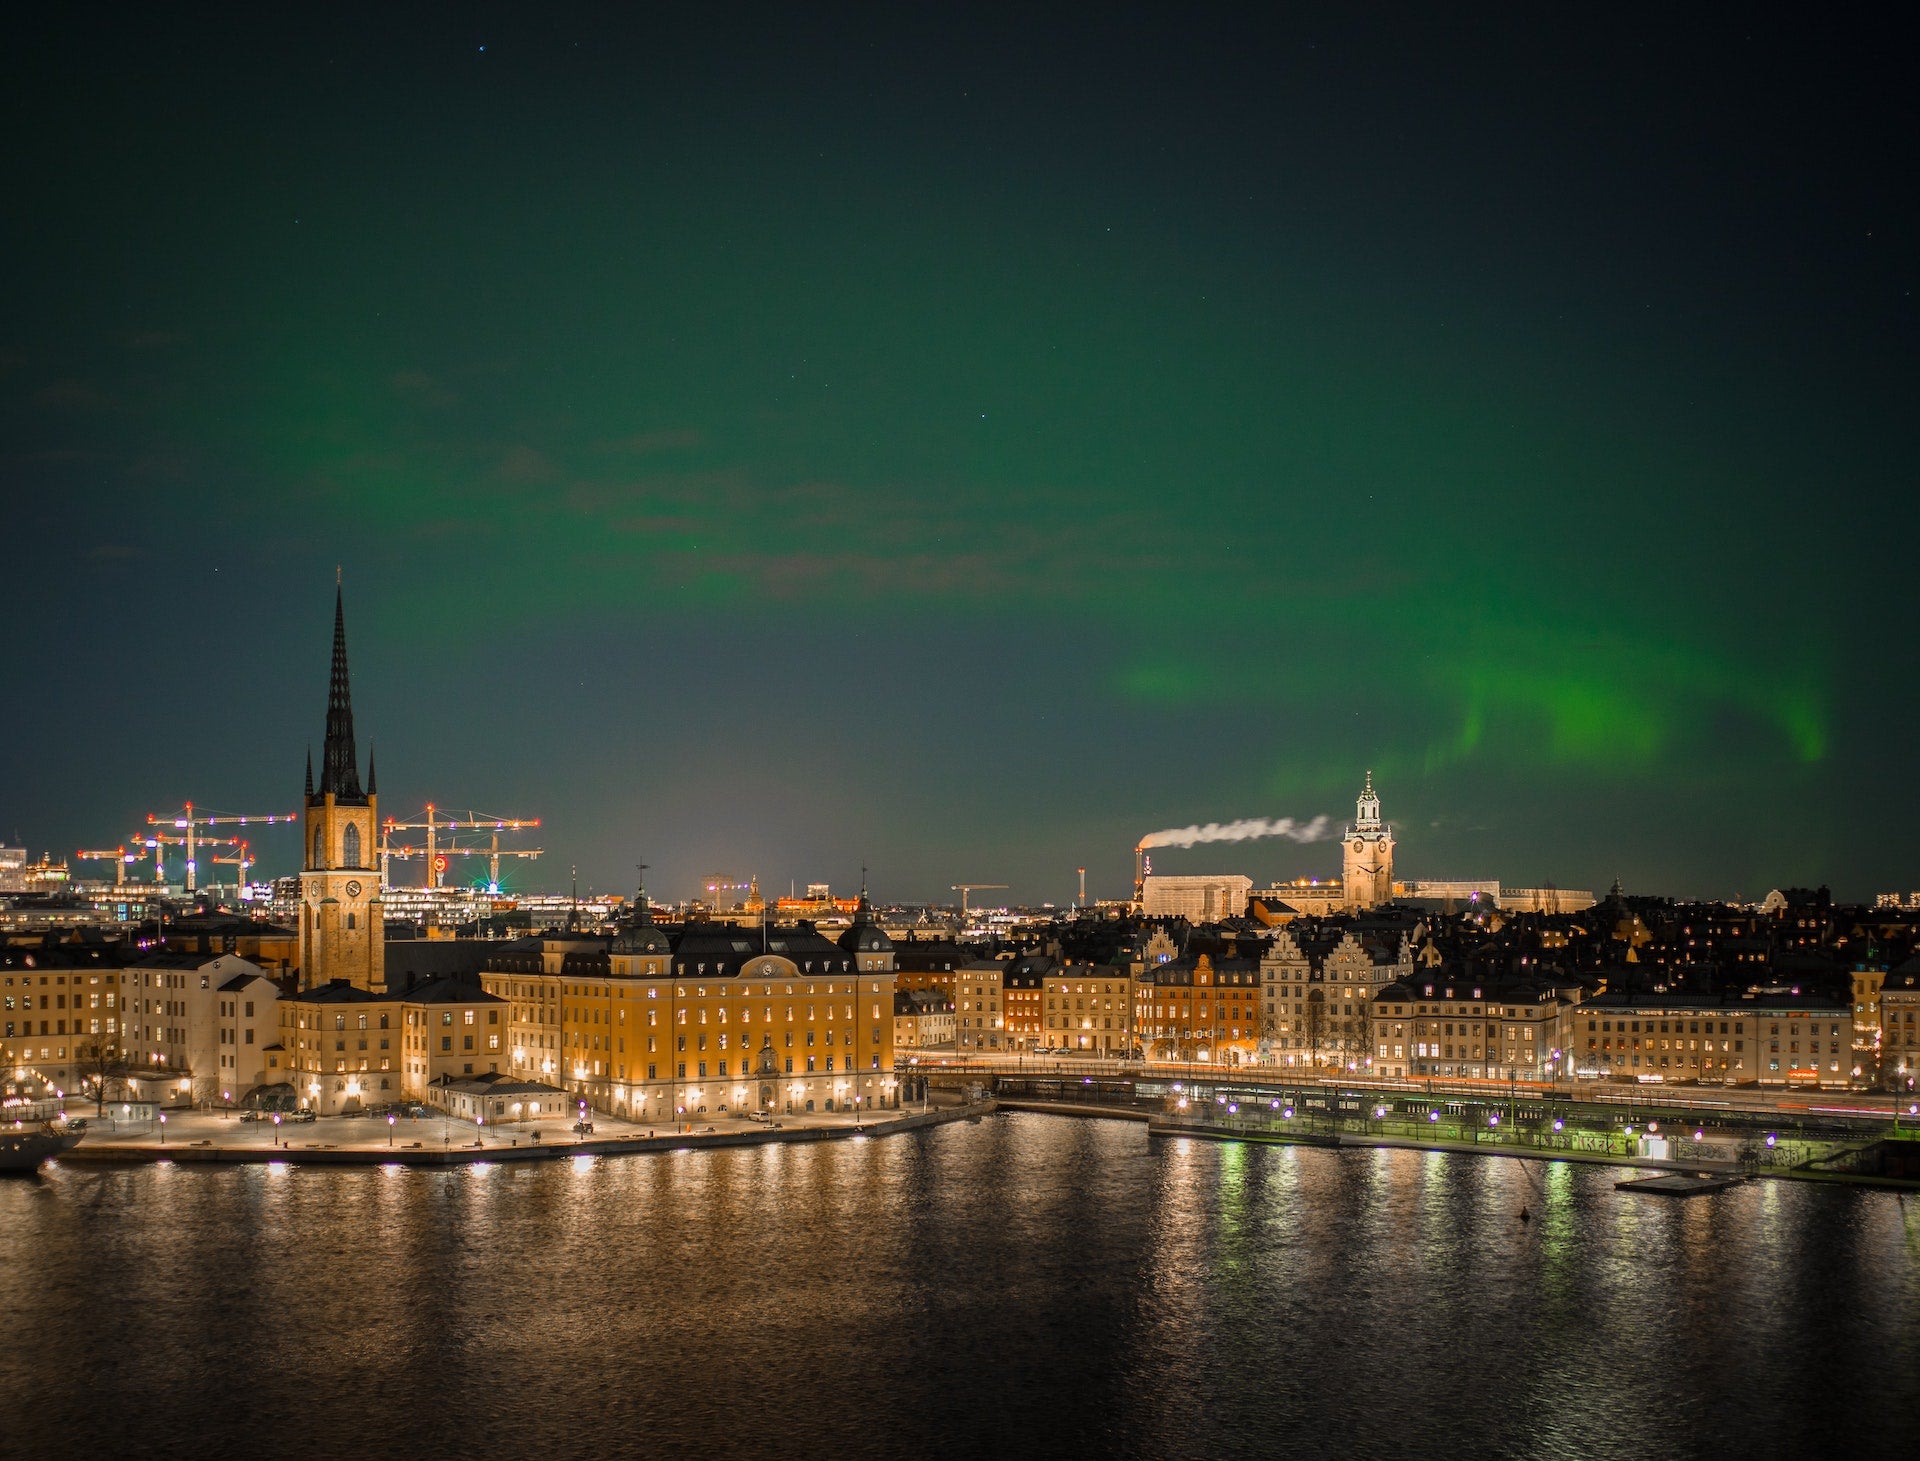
(717, 887)
(240, 861)
(433, 826)
(492, 853)
(186, 821)
(160, 842)
(965, 888)
(118, 856)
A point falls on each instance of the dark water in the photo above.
(1027, 1284)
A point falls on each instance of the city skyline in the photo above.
(913, 464)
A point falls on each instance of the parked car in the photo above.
(303, 1115)
(583, 1128)
(77, 1123)
(252, 1115)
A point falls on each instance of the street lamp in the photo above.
(390, 1121)
(163, 1130)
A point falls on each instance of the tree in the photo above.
(1316, 1027)
(101, 1060)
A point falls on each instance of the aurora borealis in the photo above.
(765, 442)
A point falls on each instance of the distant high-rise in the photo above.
(342, 921)
(1368, 853)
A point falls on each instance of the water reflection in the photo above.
(1026, 1283)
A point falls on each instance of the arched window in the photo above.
(350, 846)
(319, 846)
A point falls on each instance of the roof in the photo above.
(242, 980)
(339, 769)
(493, 1083)
(340, 991)
(1732, 1004)
(642, 936)
(420, 961)
(866, 938)
(39, 957)
(724, 951)
(448, 991)
(927, 956)
(167, 960)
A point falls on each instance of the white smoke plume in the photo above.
(1320, 829)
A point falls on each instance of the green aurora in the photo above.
(769, 454)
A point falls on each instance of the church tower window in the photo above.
(319, 846)
(350, 846)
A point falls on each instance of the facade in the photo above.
(342, 918)
(57, 1005)
(922, 1020)
(979, 1007)
(1452, 1026)
(1318, 984)
(929, 963)
(1089, 1009)
(1899, 1018)
(451, 1029)
(1196, 899)
(340, 1047)
(1367, 853)
(246, 1007)
(1199, 1009)
(173, 1019)
(1022, 995)
(1768, 1040)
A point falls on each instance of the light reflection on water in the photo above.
(1022, 1284)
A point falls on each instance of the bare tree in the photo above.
(101, 1060)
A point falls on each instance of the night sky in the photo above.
(967, 440)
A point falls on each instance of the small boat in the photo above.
(24, 1148)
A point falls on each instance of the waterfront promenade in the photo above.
(437, 1140)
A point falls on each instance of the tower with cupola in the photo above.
(342, 921)
(1368, 853)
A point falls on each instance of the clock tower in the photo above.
(1368, 853)
(342, 922)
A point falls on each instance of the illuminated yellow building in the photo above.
(342, 1046)
(348, 1047)
(1088, 1008)
(720, 1018)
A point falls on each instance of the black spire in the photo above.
(339, 768)
(309, 773)
(373, 782)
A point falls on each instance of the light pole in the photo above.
(390, 1121)
(163, 1128)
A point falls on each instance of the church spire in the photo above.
(339, 768)
(309, 773)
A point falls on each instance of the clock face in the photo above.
(353, 890)
(1358, 845)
